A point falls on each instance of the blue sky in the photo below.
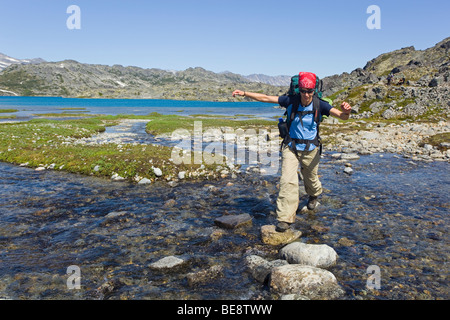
(274, 37)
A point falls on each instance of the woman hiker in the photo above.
(302, 131)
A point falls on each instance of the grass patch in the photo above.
(8, 110)
(49, 143)
(71, 108)
(164, 124)
(437, 139)
(63, 115)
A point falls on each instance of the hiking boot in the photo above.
(312, 203)
(282, 226)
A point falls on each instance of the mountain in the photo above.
(272, 80)
(6, 61)
(425, 91)
(70, 78)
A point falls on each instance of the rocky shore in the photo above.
(407, 139)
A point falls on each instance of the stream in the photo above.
(391, 213)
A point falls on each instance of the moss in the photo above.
(437, 139)
(337, 93)
(43, 142)
(163, 124)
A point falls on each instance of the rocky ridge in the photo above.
(420, 85)
(70, 78)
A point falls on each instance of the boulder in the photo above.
(260, 268)
(144, 181)
(348, 170)
(204, 276)
(167, 263)
(316, 255)
(306, 281)
(157, 172)
(233, 221)
(182, 175)
(272, 237)
(115, 214)
(349, 156)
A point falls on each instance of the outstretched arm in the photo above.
(256, 96)
(344, 114)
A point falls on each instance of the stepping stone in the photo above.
(270, 236)
(233, 221)
(167, 263)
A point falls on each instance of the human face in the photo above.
(306, 95)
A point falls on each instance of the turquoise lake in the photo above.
(29, 107)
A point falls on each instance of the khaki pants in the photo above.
(288, 198)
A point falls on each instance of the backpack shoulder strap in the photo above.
(292, 110)
(316, 109)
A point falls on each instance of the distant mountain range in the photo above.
(426, 86)
(70, 78)
(6, 61)
(272, 80)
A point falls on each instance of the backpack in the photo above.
(292, 111)
(294, 88)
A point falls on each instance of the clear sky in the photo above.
(273, 37)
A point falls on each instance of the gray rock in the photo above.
(115, 214)
(116, 177)
(349, 156)
(233, 221)
(316, 255)
(307, 281)
(204, 276)
(435, 82)
(167, 263)
(157, 172)
(260, 268)
(144, 181)
(389, 113)
(293, 296)
(348, 170)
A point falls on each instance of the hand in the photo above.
(238, 93)
(345, 107)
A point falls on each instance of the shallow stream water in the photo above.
(391, 212)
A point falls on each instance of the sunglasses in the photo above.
(306, 90)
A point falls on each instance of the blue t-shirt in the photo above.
(309, 129)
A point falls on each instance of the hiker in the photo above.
(389, 78)
(302, 145)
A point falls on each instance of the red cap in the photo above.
(307, 80)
